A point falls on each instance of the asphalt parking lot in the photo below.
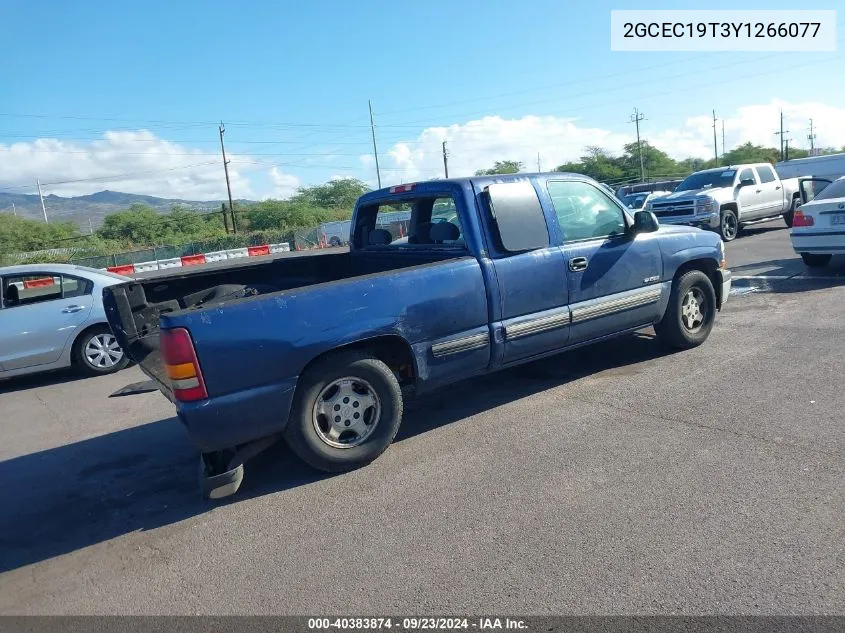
(617, 479)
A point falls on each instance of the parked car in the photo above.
(726, 198)
(322, 350)
(638, 201)
(52, 316)
(818, 228)
(647, 187)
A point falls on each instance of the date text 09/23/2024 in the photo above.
(416, 623)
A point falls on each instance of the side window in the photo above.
(76, 287)
(765, 173)
(518, 221)
(584, 212)
(19, 290)
(746, 173)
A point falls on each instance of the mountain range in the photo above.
(88, 211)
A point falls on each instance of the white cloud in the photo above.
(283, 185)
(128, 161)
(478, 144)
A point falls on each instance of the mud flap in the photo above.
(145, 386)
(226, 483)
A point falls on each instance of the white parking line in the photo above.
(796, 277)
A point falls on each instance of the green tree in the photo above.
(341, 193)
(19, 235)
(502, 167)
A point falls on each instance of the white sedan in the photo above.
(818, 227)
(52, 316)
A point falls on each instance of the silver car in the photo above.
(52, 316)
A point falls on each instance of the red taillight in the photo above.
(799, 219)
(182, 365)
(402, 188)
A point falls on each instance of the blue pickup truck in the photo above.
(486, 273)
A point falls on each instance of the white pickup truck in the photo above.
(726, 198)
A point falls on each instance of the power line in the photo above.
(108, 178)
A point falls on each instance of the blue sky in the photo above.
(292, 80)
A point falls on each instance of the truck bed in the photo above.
(134, 308)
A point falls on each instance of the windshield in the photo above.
(635, 200)
(708, 180)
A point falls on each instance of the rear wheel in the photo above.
(816, 260)
(691, 311)
(334, 241)
(96, 352)
(346, 412)
(728, 225)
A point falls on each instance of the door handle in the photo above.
(72, 309)
(759, 190)
(778, 187)
(577, 263)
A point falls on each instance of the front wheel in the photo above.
(816, 260)
(691, 311)
(346, 412)
(790, 215)
(728, 225)
(96, 352)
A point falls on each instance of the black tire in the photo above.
(728, 225)
(789, 215)
(672, 329)
(335, 241)
(816, 260)
(80, 358)
(302, 432)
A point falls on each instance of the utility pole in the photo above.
(723, 139)
(41, 196)
(14, 211)
(90, 227)
(222, 129)
(786, 149)
(445, 160)
(780, 134)
(715, 147)
(812, 138)
(225, 216)
(636, 118)
(375, 149)
(539, 169)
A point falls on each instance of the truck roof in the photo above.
(432, 184)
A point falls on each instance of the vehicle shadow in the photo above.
(43, 379)
(75, 496)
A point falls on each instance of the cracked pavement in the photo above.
(612, 480)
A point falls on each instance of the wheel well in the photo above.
(729, 205)
(79, 336)
(392, 350)
(709, 268)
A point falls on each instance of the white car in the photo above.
(818, 227)
(52, 316)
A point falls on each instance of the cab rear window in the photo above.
(425, 222)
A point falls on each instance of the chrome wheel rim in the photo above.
(346, 412)
(694, 310)
(102, 351)
(729, 223)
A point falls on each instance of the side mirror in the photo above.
(645, 222)
(747, 182)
